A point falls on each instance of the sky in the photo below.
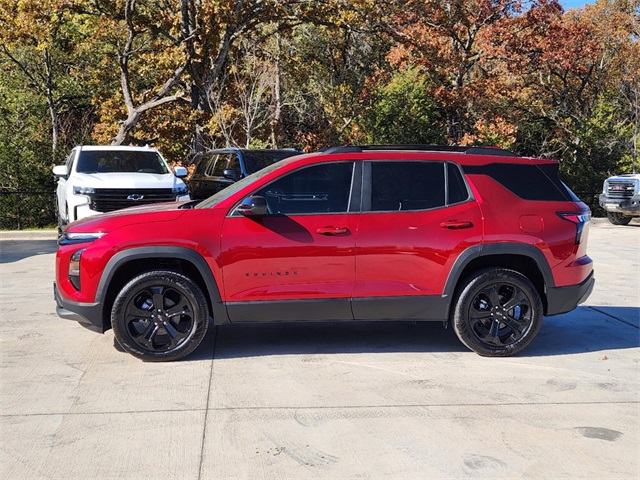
(567, 4)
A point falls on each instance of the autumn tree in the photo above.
(445, 40)
(572, 75)
(38, 42)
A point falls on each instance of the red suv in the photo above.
(478, 237)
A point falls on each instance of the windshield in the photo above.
(255, 160)
(104, 161)
(234, 187)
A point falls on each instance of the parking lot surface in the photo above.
(332, 401)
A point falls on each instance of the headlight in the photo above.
(604, 187)
(180, 190)
(83, 190)
(80, 237)
(74, 269)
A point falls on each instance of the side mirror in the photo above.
(230, 173)
(60, 170)
(180, 172)
(253, 206)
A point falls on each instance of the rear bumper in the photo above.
(564, 299)
(89, 315)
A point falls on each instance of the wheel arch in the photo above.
(126, 264)
(525, 259)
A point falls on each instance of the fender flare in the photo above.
(470, 254)
(119, 259)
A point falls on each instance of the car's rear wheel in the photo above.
(160, 316)
(618, 218)
(497, 313)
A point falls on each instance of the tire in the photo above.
(160, 316)
(497, 313)
(618, 218)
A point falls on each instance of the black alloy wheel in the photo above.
(497, 313)
(160, 316)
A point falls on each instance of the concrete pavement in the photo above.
(330, 401)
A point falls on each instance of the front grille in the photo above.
(620, 189)
(110, 199)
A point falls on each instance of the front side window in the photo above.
(399, 186)
(234, 164)
(323, 188)
(221, 164)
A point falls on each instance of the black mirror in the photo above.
(230, 173)
(253, 206)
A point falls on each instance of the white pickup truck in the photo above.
(620, 198)
(99, 179)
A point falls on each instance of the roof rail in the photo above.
(430, 148)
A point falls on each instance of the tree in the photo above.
(402, 111)
(38, 41)
(573, 75)
(446, 40)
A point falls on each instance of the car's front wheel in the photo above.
(497, 313)
(160, 316)
(618, 218)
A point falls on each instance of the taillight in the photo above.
(579, 219)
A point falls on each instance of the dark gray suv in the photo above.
(217, 169)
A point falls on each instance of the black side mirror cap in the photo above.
(253, 206)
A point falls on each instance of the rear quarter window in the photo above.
(529, 182)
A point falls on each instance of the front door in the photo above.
(298, 261)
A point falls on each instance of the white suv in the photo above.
(99, 179)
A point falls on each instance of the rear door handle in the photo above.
(332, 230)
(455, 225)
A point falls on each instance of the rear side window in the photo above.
(415, 185)
(530, 182)
(407, 186)
(254, 161)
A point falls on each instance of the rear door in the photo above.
(418, 216)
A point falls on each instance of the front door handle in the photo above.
(456, 225)
(332, 230)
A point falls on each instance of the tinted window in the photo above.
(234, 164)
(318, 189)
(457, 189)
(99, 161)
(256, 160)
(221, 164)
(202, 162)
(407, 185)
(531, 182)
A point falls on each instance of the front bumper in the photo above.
(564, 299)
(630, 206)
(89, 315)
